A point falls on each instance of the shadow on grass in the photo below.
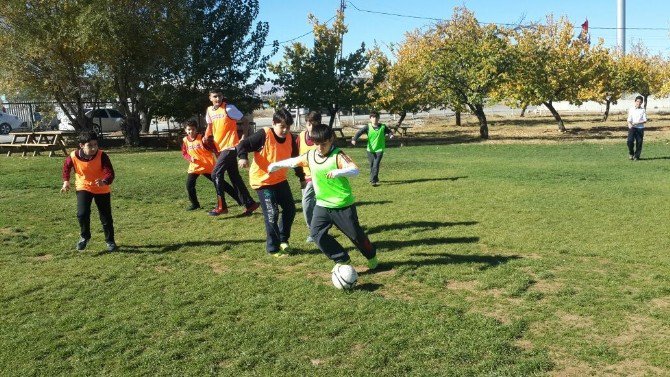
(421, 225)
(160, 249)
(367, 203)
(419, 180)
(654, 158)
(369, 287)
(485, 261)
(399, 244)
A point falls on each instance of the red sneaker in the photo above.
(218, 211)
(251, 209)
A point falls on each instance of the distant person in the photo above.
(335, 204)
(637, 117)
(221, 130)
(201, 162)
(306, 144)
(376, 144)
(93, 176)
(272, 144)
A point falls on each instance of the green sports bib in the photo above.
(329, 192)
(376, 138)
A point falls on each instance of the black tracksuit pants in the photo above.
(104, 204)
(346, 220)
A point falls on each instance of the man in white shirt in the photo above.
(637, 117)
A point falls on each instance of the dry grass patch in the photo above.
(42, 258)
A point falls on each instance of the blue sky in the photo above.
(288, 18)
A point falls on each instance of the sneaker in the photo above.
(309, 239)
(111, 246)
(635, 158)
(373, 263)
(193, 207)
(250, 210)
(279, 254)
(218, 211)
(81, 244)
(375, 184)
(630, 156)
(284, 247)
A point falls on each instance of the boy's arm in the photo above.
(209, 121)
(346, 167)
(107, 170)
(295, 152)
(630, 118)
(233, 112)
(184, 153)
(360, 133)
(68, 165)
(289, 163)
(388, 131)
(253, 143)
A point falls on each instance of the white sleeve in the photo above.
(288, 163)
(643, 117)
(351, 171)
(630, 116)
(233, 112)
(208, 119)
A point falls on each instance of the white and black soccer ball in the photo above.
(344, 276)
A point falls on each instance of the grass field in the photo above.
(496, 259)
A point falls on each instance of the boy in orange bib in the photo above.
(272, 145)
(93, 176)
(201, 162)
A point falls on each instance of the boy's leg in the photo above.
(190, 189)
(217, 175)
(84, 199)
(308, 203)
(371, 161)
(375, 166)
(630, 142)
(236, 180)
(346, 220)
(270, 208)
(104, 204)
(321, 223)
(227, 188)
(287, 204)
(639, 137)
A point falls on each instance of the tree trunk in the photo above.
(131, 130)
(402, 114)
(607, 109)
(646, 97)
(458, 118)
(332, 111)
(483, 126)
(557, 116)
(523, 111)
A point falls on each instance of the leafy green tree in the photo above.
(320, 77)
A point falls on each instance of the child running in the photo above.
(330, 169)
(376, 144)
(271, 145)
(306, 144)
(93, 176)
(201, 162)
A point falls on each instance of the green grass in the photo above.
(494, 260)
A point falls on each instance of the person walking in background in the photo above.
(637, 117)
(376, 144)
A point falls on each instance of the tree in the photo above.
(550, 66)
(646, 72)
(47, 55)
(320, 78)
(463, 62)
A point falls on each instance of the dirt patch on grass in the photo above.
(469, 285)
(218, 268)
(575, 320)
(634, 368)
(164, 269)
(546, 286)
(43, 258)
(661, 303)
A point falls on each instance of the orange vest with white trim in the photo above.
(304, 148)
(86, 172)
(272, 151)
(224, 128)
(203, 160)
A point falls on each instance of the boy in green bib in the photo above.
(376, 144)
(330, 169)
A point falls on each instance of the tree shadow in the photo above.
(367, 203)
(485, 261)
(419, 180)
(654, 158)
(369, 287)
(399, 244)
(161, 249)
(421, 225)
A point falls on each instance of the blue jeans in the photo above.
(635, 137)
(271, 199)
(375, 159)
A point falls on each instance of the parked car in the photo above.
(104, 120)
(9, 122)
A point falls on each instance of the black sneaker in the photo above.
(81, 244)
(193, 207)
(111, 246)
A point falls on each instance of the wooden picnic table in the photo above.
(39, 141)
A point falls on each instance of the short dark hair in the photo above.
(282, 115)
(87, 136)
(314, 117)
(321, 133)
(639, 98)
(374, 113)
(191, 123)
(215, 90)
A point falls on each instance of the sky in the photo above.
(288, 19)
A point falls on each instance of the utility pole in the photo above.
(621, 26)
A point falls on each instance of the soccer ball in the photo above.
(344, 276)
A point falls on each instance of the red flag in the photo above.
(585, 26)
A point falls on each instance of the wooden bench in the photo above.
(37, 142)
(338, 129)
(402, 130)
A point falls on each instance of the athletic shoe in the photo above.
(111, 246)
(284, 246)
(250, 210)
(81, 244)
(375, 184)
(373, 263)
(218, 211)
(193, 207)
(309, 239)
(630, 157)
(279, 254)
